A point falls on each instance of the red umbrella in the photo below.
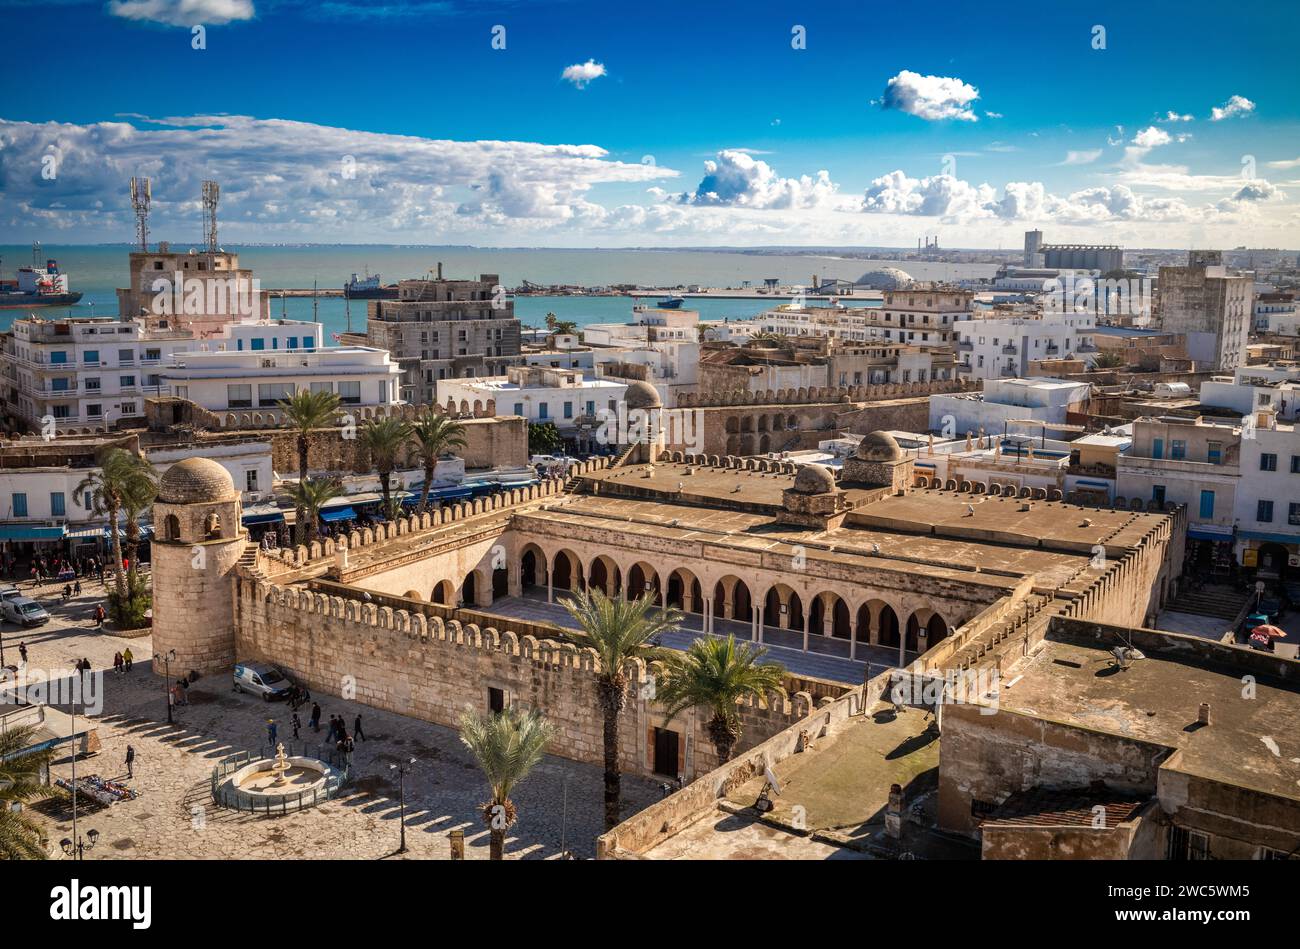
(1262, 634)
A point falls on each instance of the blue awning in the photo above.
(1285, 540)
(1205, 532)
(29, 532)
(451, 492)
(263, 518)
(338, 514)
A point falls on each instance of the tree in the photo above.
(304, 412)
(506, 746)
(551, 322)
(309, 496)
(619, 630)
(1108, 360)
(766, 341)
(122, 481)
(544, 438)
(21, 781)
(385, 439)
(716, 674)
(565, 328)
(434, 435)
(140, 491)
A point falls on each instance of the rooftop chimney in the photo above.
(1203, 715)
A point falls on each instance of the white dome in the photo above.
(888, 278)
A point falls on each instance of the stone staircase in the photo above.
(1222, 603)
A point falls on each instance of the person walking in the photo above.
(271, 732)
(315, 717)
(99, 616)
(22, 652)
(297, 724)
(76, 588)
(356, 729)
(117, 663)
(130, 761)
(126, 658)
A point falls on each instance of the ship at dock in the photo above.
(37, 286)
(368, 288)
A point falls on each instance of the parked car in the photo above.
(8, 591)
(24, 611)
(258, 678)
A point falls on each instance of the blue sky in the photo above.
(1000, 117)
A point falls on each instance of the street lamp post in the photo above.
(402, 770)
(76, 850)
(167, 659)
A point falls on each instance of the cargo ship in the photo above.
(37, 286)
(368, 289)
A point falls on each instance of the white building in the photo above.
(1002, 341)
(1007, 405)
(1276, 312)
(1250, 388)
(664, 343)
(538, 394)
(256, 365)
(1267, 509)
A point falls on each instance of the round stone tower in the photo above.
(198, 539)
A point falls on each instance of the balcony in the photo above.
(1009, 350)
(965, 346)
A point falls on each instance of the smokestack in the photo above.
(1203, 716)
(440, 270)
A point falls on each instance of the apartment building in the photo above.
(440, 329)
(196, 290)
(1213, 307)
(923, 314)
(539, 394)
(1002, 341)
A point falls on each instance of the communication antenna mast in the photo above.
(211, 193)
(140, 201)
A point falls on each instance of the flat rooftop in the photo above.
(1251, 742)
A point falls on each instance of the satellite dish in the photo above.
(771, 779)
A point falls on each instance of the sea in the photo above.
(98, 270)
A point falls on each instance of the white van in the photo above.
(258, 678)
(24, 611)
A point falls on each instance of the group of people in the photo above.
(122, 661)
(337, 733)
(45, 569)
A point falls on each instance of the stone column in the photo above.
(807, 621)
(756, 624)
(853, 637)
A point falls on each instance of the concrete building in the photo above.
(1003, 340)
(1267, 507)
(1276, 313)
(445, 329)
(1102, 258)
(563, 397)
(1009, 404)
(1210, 306)
(257, 365)
(197, 290)
(923, 315)
(1275, 387)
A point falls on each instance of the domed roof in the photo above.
(642, 395)
(878, 446)
(195, 480)
(814, 479)
(887, 278)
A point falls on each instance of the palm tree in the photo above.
(121, 482)
(620, 630)
(434, 435)
(137, 499)
(1108, 360)
(309, 496)
(716, 674)
(21, 781)
(506, 746)
(385, 439)
(305, 411)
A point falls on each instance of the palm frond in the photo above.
(717, 674)
(619, 629)
(506, 745)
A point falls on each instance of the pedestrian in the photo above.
(329, 735)
(296, 723)
(356, 729)
(315, 717)
(126, 656)
(117, 663)
(271, 731)
(22, 652)
(99, 616)
(76, 588)
(184, 684)
(130, 761)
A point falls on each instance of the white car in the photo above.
(24, 611)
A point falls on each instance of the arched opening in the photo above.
(731, 600)
(1271, 562)
(888, 626)
(469, 589)
(528, 576)
(172, 527)
(567, 572)
(936, 629)
(603, 575)
(913, 633)
(684, 592)
(212, 527)
(643, 581)
(841, 621)
(444, 593)
(500, 582)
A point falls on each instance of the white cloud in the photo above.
(737, 179)
(1237, 105)
(582, 73)
(930, 97)
(938, 196)
(1151, 136)
(183, 12)
(282, 179)
(1285, 163)
(993, 115)
(1172, 116)
(1084, 157)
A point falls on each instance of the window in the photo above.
(1157, 448)
(543, 410)
(95, 410)
(127, 408)
(1268, 462)
(126, 382)
(269, 393)
(1158, 494)
(568, 410)
(91, 357)
(591, 408)
(125, 356)
(1293, 514)
(350, 392)
(1214, 452)
(153, 354)
(258, 343)
(291, 342)
(1178, 449)
(1207, 504)
(1264, 512)
(1188, 844)
(250, 479)
(519, 408)
(239, 396)
(322, 387)
(59, 385)
(1295, 464)
(59, 357)
(58, 504)
(92, 384)
(20, 505)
